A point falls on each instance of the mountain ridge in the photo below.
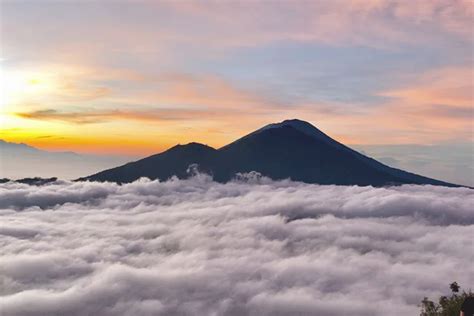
(20, 160)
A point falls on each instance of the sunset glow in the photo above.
(136, 79)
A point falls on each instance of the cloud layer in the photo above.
(253, 247)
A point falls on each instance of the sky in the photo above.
(136, 77)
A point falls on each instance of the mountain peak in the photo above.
(296, 123)
(19, 146)
(301, 126)
(193, 146)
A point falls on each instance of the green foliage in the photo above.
(446, 306)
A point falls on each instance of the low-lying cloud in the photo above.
(253, 247)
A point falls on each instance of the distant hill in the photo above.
(292, 149)
(30, 181)
(19, 160)
(450, 161)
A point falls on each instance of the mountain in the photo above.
(31, 181)
(174, 161)
(19, 160)
(292, 149)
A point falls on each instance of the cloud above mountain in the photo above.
(368, 72)
(248, 247)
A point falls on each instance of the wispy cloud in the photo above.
(90, 116)
(169, 96)
(435, 106)
(399, 70)
(360, 22)
(451, 86)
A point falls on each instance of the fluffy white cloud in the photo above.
(253, 247)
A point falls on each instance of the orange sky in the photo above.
(365, 72)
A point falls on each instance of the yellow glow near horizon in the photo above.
(18, 86)
(78, 108)
(14, 87)
(25, 90)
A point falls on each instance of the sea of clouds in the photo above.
(248, 247)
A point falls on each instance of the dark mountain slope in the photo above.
(174, 161)
(310, 130)
(290, 149)
(286, 152)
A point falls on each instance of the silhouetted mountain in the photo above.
(291, 149)
(37, 180)
(174, 161)
(19, 160)
(31, 181)
(451, 161)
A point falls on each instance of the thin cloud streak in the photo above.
(92, 117)
(360, 22)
